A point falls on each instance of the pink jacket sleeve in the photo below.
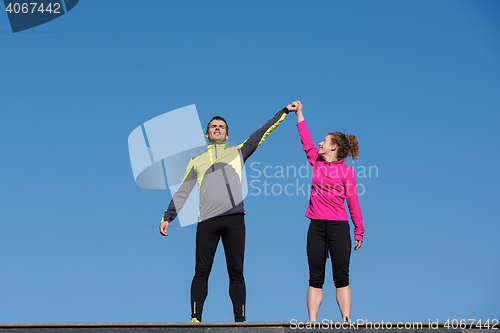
(353, 204)
(307, 142)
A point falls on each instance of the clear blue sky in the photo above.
(418, 83)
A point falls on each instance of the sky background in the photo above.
(417, 82)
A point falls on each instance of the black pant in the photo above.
(324, 235)
(231, 228)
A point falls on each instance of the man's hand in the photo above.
(295, 107)
(164, 228)
(357, 245)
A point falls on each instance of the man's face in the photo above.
(217, 131)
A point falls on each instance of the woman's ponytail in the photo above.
(347, 145)
(353, 145)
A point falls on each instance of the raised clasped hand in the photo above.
(295, 107)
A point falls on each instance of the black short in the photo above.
(324, 236)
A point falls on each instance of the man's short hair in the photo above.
(218, 118)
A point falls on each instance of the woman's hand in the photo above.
(297, 108)
(357, 244)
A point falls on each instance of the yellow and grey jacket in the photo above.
(218, 173)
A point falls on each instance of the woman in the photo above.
(332, 183)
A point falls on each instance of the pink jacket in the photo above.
(332, 183)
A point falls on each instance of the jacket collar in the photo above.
(334, 162)
(216, 145)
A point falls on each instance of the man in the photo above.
(218, 173)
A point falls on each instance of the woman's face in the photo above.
(326, 146)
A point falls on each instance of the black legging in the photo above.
(324, 235)
(231, 228)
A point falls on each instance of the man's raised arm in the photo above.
(253, 142)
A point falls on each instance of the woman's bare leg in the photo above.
(314, 299)
(344, 300)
